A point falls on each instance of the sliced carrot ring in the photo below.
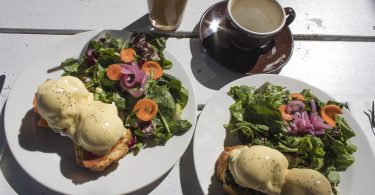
(127, 55)
(145, 109)
(297, 96)
(153, 68)
(284, 115)
(114, 72)
(329, 113)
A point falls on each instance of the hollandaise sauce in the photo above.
(70, 109)
(266, 170)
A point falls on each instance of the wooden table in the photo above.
(334, 50)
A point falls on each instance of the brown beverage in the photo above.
(257, 15)
(166, 14)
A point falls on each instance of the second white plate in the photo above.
(210, 138)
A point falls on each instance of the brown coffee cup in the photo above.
(256, 22)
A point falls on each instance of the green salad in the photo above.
(309, 132)
(131, 75)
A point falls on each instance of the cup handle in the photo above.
(290, 15)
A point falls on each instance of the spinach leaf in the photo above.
(179, 93)
(178, 126)
(164, 99)
(108, 56)
(70, 66)
(177, 90)
(342, 157)
(347, 132)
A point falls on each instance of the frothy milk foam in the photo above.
(257, 15)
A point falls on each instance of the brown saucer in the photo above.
(215, 32)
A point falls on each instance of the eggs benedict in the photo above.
(306, 181)
(243, 169)
(94, 127)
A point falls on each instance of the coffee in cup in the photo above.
(256, 22)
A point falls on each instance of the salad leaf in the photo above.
(311, 148)
(115, 97)
(178, 92)
(164, 99)
(262, 113)
(242, 93)
(237, 111)
(108, 56)
(178, 126)
(342, 153)
(70, 66)
(102, 78)
(272, 94)
(333, 176)
(346, 131)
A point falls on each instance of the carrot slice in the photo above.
(34, 104)
(145, 109)
(329, 113)
(114, 72)
(284, 115)
(127, 55)
(153, 68)
(297, 96)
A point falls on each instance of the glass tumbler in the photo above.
(166, 15)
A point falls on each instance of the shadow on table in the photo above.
(44, 140)
(206, 70)
(140, 25)
(189, 179)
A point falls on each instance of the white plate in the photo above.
(210, 136)
(49, 158)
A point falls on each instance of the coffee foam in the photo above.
(257, 15)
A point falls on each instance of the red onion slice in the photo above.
(133, 79)
(306, 123)
(295, 106)
(130, 74)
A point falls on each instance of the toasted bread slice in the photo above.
(99, 163)
(222, 167)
